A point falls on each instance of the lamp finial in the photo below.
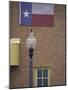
(31, 29)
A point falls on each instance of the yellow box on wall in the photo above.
(14, 51)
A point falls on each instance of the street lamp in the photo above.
(30, 44)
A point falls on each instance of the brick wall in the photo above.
(49, 52)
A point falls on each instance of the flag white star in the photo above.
(26, 13)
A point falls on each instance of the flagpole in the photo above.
(19, 12)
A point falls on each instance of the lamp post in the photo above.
(30, 44)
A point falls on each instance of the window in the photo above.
(41, 77)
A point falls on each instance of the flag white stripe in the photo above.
(43, 9)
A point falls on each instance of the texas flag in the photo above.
(34, 14)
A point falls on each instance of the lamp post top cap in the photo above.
(31, 29)
(31, 35)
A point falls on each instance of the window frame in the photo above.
(36, 76)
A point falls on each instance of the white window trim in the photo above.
(35, 77)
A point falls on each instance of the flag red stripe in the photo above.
(42, 20)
